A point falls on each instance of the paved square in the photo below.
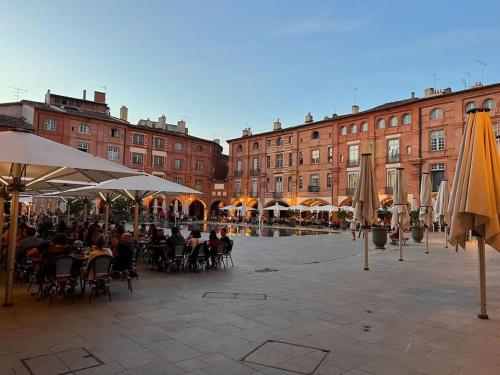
(60, 363)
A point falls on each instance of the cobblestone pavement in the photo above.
(310, 309)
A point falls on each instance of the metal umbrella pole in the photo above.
(482, 277)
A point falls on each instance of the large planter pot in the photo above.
(379, 237)
(344, 225)
(417, 233)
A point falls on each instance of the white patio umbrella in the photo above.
(324, 208)
(475, 195)
(400, 215)
(260, 208)
(136, 188)
(425, 214)
(229, 208)
(276, 206)
(441, 208)
(29, 161)
(347, 208)
(365, 198)
(155, 208)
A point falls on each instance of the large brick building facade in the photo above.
(317, 162)
(156, 147)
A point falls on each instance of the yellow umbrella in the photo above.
(475, 195)
(426, 206)
(365, 199)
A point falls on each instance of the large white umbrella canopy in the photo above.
(229, 208)
(475, 195)
(441, 207)
(29, 161)
(299, 207)
(135, 188)
(425, 214)
(400, 215)
(365, 198)
(324, 208)
(277, 207)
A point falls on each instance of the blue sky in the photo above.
(225, 65)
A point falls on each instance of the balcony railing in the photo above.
(313, 188)
(389, 189)
(349, 191)
(278, 166)
(393, 158)
(255, 171)
(277, 194)
(353, 163)
(254, 194)
(238, 173)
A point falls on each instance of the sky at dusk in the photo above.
(226, 65)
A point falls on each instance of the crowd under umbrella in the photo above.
(365, 198)
(29, 161)
(441, 208)
(425, 214)
(400, 215)
(135, 188)
(475, 194)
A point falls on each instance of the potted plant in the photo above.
(379, 236)
(417, 232)
(384, 214)
(342, 216)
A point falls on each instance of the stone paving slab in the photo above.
(411, 317)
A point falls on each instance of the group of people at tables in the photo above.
(163, 247)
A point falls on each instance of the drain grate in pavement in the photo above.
(61, 363)
(251, 296)
(285, 356)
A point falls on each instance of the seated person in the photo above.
(29, 241)
(213, 242)
(93, 232)
(224, 238)
(97, 250)
(143, 231)
(175, 239)
(123, 254)
(194, 238)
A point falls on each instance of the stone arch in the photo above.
(346, 202)
(215, 206)
(237, 202)
(197, 209)
(273, 202)
(314, 202)
(171, 208)
(387, 201)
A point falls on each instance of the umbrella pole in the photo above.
(3, 195)
(136, 221)
(426, 240)
(445, 236)
(11, 254)
(482, 277)
(400, 238)
(106, 219)
(68, 211)
(366, 248)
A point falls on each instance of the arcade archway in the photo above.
(215, 208)
(197, 210)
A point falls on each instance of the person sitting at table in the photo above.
(45, 226)
(28, 242)
(93, 233)
(97, 250)
(151, 230)
(143, 231)
(194, 238)
(123, 254)
(174, 240)
(213, 242)
(116, 236)
(224, 238)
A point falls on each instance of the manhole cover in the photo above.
(267, 269)
(281, 355)
(65, 362)
(235, 295)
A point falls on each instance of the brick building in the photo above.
(317, 162)
(156, 147)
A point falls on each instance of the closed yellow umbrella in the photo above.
(441, 208)
(365, 199)
(426, 206)
(475, 195)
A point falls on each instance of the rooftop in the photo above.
(14, 122)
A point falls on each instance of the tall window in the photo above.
(159, 142)
(315, 134)
(330, 154)
(437, 175)
(290, 159)
(315, 157)
(138, 139)
(267, 184)
(314, 180)
(329, 180)
(489, 103)
(290, 139)
(343, 130)
(199, 148)
(178, 164)
(278, 162)
(469, 106)
(406, 119)
(113, 133)
(199, 165)
(137, 158)
(301, 157)
(50, 124)
(178, 146)
(239, 166)
(198, 184)
(113, 153)
(279, 141)
(256, 145)
(391, 180)
(83, 128)
(239, 148)
(178, 180)
(301, 182)
(255, 165)
(436, 113)
(380, 124)
(364, 126)
(352, 180)
(437, 140)
(255, 189)
(158, 161)
(237, 186)
(393, 121)
(354, 129)
(278, 184)
(268, 161)
(354, 155)
(393, 150)
(289, 183)
(82, 146)
(269, 142)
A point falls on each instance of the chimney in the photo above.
(162, 122)
(108, 112)
(447, 90)
(277, 125)
(355, 108)
(245, 132)
(181, 127)
(309, 118)
(84, 94)
(429, 92)
(413, 95)
(47, 97)
(123, 113)
(99, 97)
(149, 123)
(217, 140)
